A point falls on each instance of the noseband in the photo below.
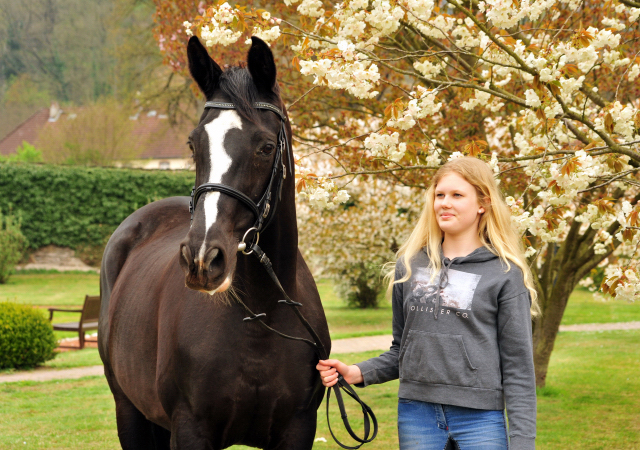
(264, 213)
(263, 210)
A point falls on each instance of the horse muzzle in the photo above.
(209, 270)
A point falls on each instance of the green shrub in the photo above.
(12, 244)
(26, 337)
(79, 207)
(24, 153)
(360, 284)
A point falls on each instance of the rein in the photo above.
(263, 211)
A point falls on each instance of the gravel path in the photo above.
(352, 345)
(45, 374)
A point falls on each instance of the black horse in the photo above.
(185, 370)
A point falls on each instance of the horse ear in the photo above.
(261, 65)
(203, 69)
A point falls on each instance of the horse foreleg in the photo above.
(299, 433)
(186, 433)
(134, 430)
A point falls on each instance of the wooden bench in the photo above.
(88, 318)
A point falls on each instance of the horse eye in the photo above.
(193, 152)
(268, 149)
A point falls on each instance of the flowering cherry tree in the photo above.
(382, 92)
(352, 242)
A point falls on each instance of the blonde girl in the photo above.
(462, 297)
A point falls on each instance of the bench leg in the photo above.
(81, 335)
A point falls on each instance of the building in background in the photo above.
(163, 146)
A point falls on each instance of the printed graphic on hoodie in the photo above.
(458, 292)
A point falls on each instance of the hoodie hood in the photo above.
(481, 254)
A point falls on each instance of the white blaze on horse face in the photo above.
(220, 162)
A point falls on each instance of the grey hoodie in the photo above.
(466, 343)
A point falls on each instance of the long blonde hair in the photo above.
(494, 228)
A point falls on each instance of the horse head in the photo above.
(239, 149)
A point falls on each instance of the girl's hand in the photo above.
(330, 369)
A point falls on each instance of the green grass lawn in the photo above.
(345, 322)
(67, 360)
(78, 358)
(40, 288)
(63, 414)
(582, 308)
(592, 401)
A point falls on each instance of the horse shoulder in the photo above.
(136, 229)
(142, 225)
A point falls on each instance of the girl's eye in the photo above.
(268, 149)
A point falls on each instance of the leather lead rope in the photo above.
(321, 352)
(366, 412)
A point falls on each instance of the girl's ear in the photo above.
(486, 201)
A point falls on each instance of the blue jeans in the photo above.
(428, 426)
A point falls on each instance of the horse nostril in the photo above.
(213, 257)
(218, 260)
(186, 254)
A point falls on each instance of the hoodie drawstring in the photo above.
(442, 283)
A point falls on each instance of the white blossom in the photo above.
(310, 8)
(268, 35)
(532, 98)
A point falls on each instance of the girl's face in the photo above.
(456, 206)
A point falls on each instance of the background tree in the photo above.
(545, 91)
(75, 53)
(99, 135)
(351, 242)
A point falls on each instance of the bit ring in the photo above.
(242, 246)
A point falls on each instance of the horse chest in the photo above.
(244, 387)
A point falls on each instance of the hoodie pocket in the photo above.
(436, 359)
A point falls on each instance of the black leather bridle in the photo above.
(264, 206)
(264, 213)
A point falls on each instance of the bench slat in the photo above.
(73, 326)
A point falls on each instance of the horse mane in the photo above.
(237, 84)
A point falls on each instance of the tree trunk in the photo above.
(565, 264)
(545, 330)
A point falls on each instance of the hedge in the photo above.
(71, 206)
(12, 245)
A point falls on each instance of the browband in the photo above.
(257, 105)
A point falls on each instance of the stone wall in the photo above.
(58, 258)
